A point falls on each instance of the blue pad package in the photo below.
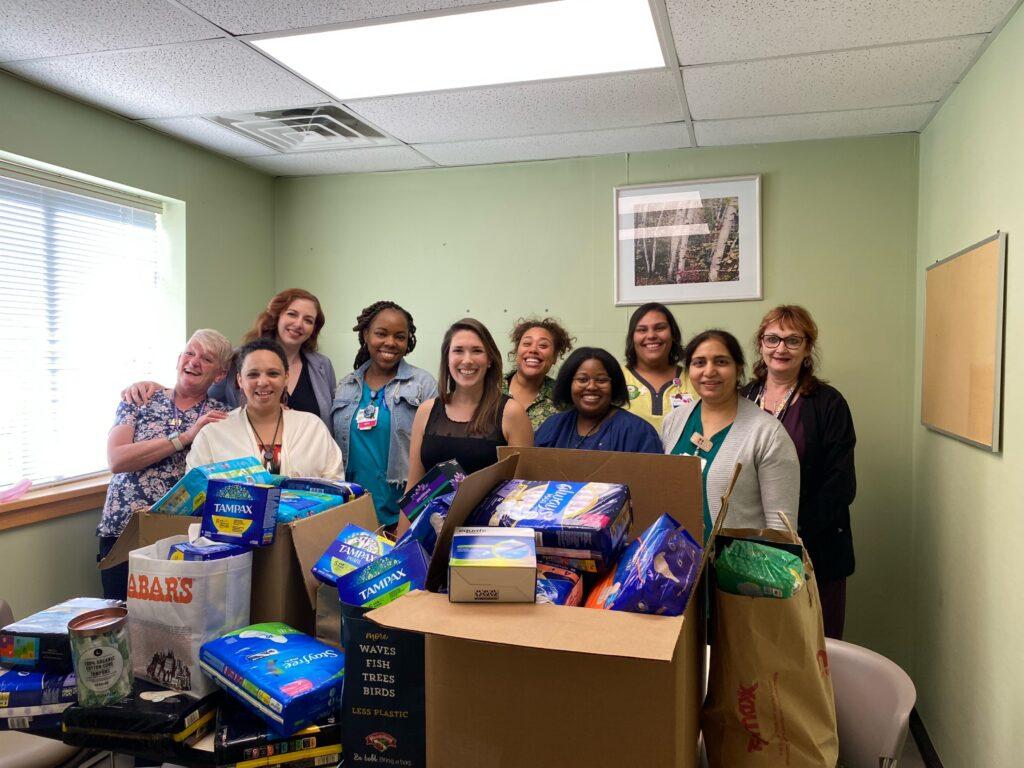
(347, 491)
(282, 675)
(34, 700)
(655, 575)
(427, 525)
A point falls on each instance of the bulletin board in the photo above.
(963, 344)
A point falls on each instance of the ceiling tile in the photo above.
(523, 148)
(173, 80)
(816, 125)
(209, 135)
(552, 106)
(732, 30)
(32, 29)
(876, 77)
(341, 161)
(251, 16)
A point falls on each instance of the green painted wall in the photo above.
(968, 618)
(229, 273)
(501, 241)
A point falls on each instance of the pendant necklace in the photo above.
(265, 448)
(581, 440)
(781, 406)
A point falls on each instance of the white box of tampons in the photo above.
(493, 565)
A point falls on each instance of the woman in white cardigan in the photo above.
(286, 442)
(724, 429)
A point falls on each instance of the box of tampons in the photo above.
(492, 565)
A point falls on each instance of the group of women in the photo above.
(387, 422)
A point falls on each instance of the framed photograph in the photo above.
(688, 241)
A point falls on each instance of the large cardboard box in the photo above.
(542, 685)
(283, 587)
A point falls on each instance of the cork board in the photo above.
(963, 344)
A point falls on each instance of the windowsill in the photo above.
(55, 501)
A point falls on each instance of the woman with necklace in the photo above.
(376, 404)
(592, 390)
(539, 344)
(657, 384)
(723, 429)
(285, 441)
(818, 419)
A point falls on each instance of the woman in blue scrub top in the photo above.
(376, 403)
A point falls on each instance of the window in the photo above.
(87, 305)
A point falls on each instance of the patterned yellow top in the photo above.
(654, 406)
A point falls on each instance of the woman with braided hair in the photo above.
(375, 405)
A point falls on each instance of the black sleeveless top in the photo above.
(444, 439)
(304, 398)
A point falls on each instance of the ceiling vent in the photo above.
(304, 129)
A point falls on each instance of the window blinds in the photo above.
(85, 309)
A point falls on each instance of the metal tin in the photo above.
(101, 653)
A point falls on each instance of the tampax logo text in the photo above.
(160, 589)
(746, 703)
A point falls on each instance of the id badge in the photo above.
(367, 417)
(680, 398)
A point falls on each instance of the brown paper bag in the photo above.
(770, 701)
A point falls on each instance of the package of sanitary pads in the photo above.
(188, 495)
(40, 641)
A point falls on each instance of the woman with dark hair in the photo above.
(294, 319)
(656, 382)
(723, 429)
(285, 441)
(470, 417)
(592, 390)
(539, 344)
(375, 405)
(818, 419)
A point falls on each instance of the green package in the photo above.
(757, 570)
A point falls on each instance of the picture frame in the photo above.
(682, 242)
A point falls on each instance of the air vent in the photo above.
(304, 129)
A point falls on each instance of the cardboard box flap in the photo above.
(145, 528)
(549, 627)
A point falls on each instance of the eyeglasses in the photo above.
(584, 381)
(772, 341)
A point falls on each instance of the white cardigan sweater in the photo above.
(307, 448)
(768, 485)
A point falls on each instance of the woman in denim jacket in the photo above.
(375, 404)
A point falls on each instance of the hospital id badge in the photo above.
(677, 399)
(367, 417)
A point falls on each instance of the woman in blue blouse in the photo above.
(591, 390)
(375, 405)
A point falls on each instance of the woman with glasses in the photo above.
(591, 390)
(818, 419)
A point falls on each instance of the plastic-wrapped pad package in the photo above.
(347, 491)
(203, 549)
(296, 505)
(188, 495)
(284, 676)
(31, 701)
(758, 570)
(585, 524)
(439, 480)
(427, 525)
(655, 575)
(387, 578)
(40, 641)
(353, 548)
(242, 738)
(558, 584)
(239, 513)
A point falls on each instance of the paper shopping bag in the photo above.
(770, 701)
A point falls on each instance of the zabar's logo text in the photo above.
(160, 589)
(746, 703)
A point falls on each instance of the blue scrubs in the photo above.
(367, 460)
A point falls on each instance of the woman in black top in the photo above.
(470, 417)
(818, 419)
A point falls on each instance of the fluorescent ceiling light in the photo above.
(566, 38)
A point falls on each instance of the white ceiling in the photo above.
(740, 72)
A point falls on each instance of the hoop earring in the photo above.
(807, 362)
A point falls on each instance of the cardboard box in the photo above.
(493, 565)
(629, 684)
(283, 586)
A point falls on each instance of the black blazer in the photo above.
(828, 482)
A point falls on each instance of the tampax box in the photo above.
(353, 548)
(492, 565)
(242, 514)
(283, 585)
(647, 669)
(188, 495)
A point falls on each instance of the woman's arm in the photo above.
(778, 475)
(140, 392)
(419, 424)
(516, 426)
(124, 455)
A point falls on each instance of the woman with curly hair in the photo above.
(539, 344)
(375, 405)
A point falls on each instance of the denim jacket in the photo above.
(403, 394)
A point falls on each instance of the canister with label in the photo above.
(102, 656)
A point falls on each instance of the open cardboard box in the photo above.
(283, 588)
(541, 685)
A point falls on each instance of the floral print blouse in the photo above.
(129, 491)
(540, 408)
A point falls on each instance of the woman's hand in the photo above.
(207, 418)
(140, 392)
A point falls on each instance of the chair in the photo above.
(873, 702)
